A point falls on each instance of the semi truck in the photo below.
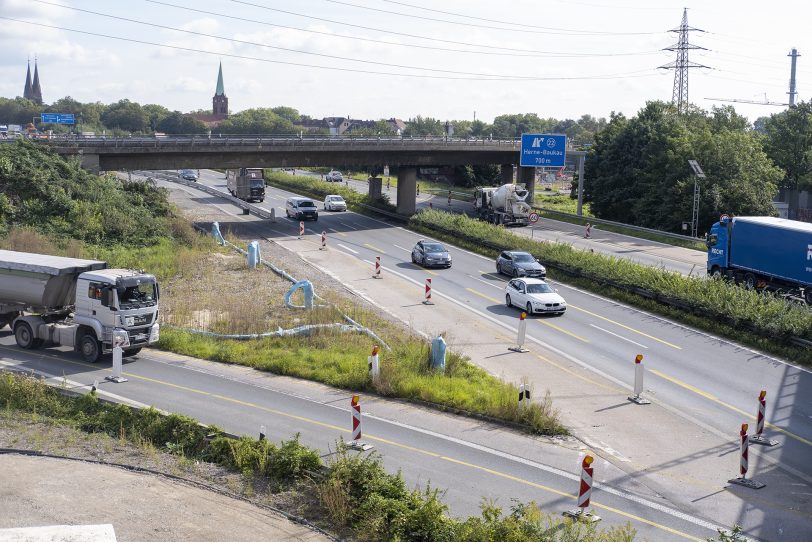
(763, 252)
(77, 303)
(246, 183)
(503, 205)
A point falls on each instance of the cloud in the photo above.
(188, 84)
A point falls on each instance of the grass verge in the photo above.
(315, 188)
(361, 500)
(711, 304)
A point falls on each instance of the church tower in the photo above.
(32, 90)
(36, 90)
(220, 100)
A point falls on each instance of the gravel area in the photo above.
(211, 504)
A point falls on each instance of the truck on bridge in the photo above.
(503, 205)
(77, 303)
(247, 184)
(763, 252)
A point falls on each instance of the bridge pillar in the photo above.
(90, 162)
(527, 176)
(507, 173)
(374, 188)
(407, 190)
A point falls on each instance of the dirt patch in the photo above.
(212, 504)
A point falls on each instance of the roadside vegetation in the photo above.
(354, 494)
(715, 305)
(315, 188)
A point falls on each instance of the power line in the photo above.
(256, 44)
(513, 52)
(546, 30)
(628, 75)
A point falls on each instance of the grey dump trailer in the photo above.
(77, 303)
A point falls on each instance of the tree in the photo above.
(789, 144)
(288, 113)
(126, 115)
(19, 110)
(256, 121)
(423, 126)
(515, 125)
(156, 114)
(178, 123)
(637, 172)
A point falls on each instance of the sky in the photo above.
(372, 59)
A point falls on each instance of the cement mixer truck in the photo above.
(503, 205)
(77, 303)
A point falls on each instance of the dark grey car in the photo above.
(519, 264)
(431, 254)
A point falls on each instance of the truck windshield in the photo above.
(257, 183)
(134, 297)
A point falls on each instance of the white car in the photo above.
(334, 203)
(534, 296)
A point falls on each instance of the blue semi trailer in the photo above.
(763, 252)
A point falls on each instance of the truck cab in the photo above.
(718, 247)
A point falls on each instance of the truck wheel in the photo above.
(25, 336)
(8, 318)
(90, 348)
(716, 272)
(750, 281)
(130, 353)
(808, 296)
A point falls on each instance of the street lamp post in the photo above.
(698, 174)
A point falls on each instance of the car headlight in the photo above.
(543, 269)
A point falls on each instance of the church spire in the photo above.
(28, 92)
(36, 90)
(220, 91)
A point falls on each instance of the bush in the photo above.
(719, 301)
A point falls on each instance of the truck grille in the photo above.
(142, 320)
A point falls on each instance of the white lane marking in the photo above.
(486, 282)
(347, 225)
(400, 247)
(619, 336)
(347, 248)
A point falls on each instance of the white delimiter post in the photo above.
(638, 382)
(520, 336)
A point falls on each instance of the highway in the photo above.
(474, 461)
(709, 381)
(703, 388)
(681, 260)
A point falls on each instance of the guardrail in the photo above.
(276, 140)
(593, 220)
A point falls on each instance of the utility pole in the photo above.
(698, 174)
(681, 65)
(792, 92)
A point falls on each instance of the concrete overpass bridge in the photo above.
(198, 152)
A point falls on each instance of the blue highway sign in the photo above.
(57, 118)
(543, 150)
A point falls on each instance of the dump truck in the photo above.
(246, 183)
(77, 303)
(763, 252)
(503, 205)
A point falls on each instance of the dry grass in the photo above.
(217, 293)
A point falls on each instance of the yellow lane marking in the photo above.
(727, 405)
(342, 234)
(480, 294)
(626, 327)
(373, 247)
(562, 330)
(572, 497)
(575, 374)
(139, 377)
(424, 269)
(403, 446)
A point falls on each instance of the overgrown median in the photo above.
(760, 319)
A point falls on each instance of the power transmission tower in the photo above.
(681, 65)
(792, 92)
